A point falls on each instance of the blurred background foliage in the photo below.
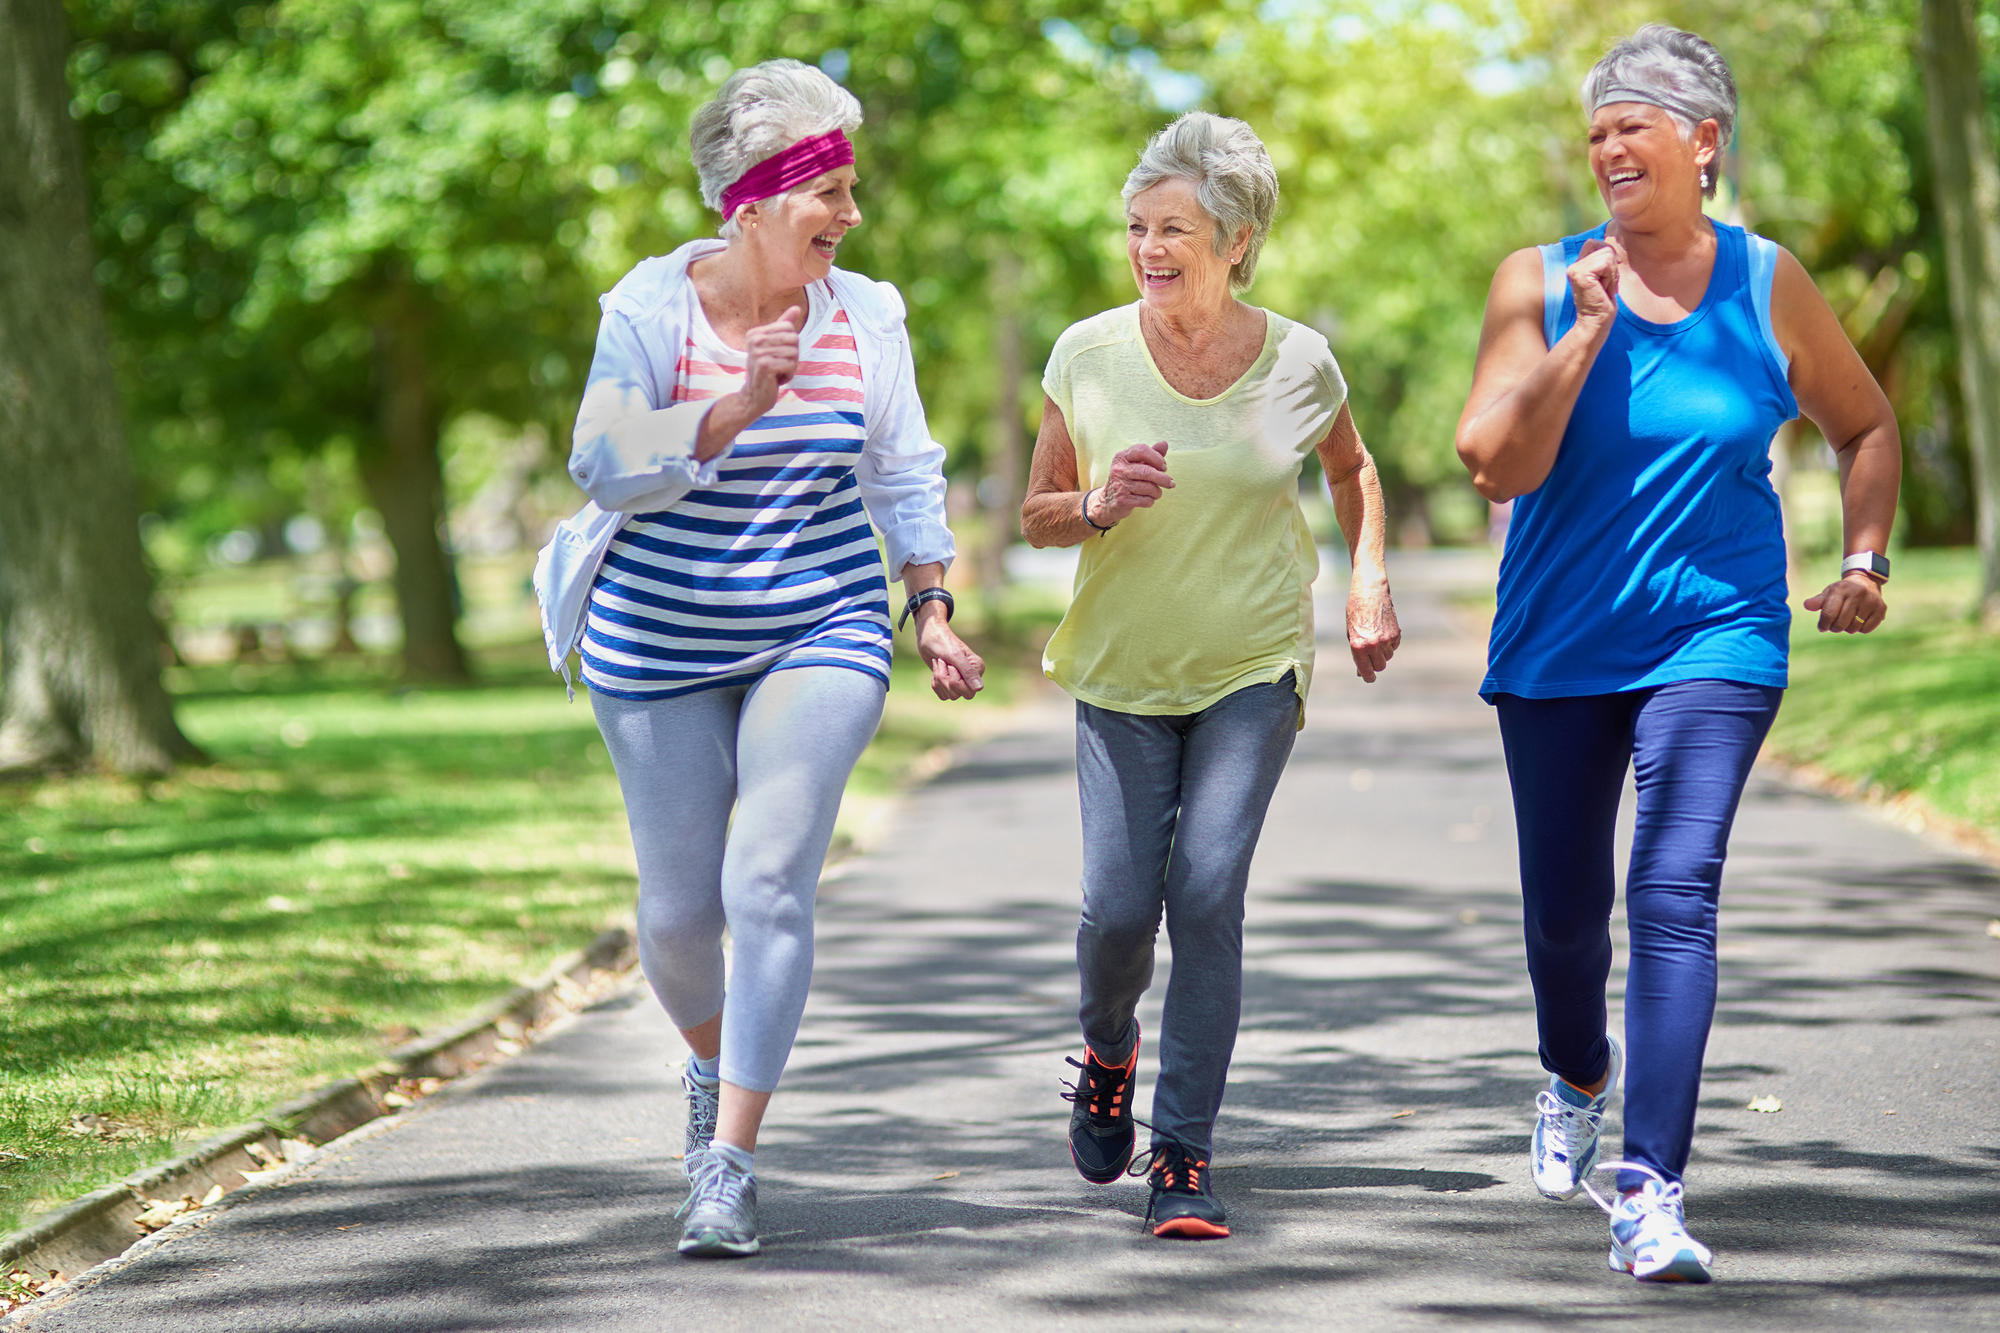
(278, 183)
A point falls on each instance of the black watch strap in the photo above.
(922, 595)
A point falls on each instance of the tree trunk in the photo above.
(1006, 483)
(1968, 196)
(80, 649)
(405, 483)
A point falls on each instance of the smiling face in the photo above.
(1170, 241)
(795, 236)
(1644, 168)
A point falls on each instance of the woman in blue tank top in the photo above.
(1628, 385)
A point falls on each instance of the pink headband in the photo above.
(780, 172)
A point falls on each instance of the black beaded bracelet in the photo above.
(922, 595)
(1101, 527)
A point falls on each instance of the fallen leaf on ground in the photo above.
(18, 1286)
(1768, 1104)
(1888, 1113)
(946, 1175)
(159, 1212)
(1408, 1111)
(214, 1193)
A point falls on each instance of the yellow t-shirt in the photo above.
(1210, 590)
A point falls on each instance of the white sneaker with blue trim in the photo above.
(1567, 1126)
(1649, 1235)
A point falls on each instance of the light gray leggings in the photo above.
(780, 749)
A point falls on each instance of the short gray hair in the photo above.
(1232, 175)
(760, 111)
(1688, 77)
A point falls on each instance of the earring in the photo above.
(1704, 178)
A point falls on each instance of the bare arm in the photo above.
(956, 671)
(1523, 390)
(1372, 632)
(1837, 394)
(1052, 515)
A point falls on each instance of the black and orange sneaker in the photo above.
(1181, 1204)
(1100, 1118)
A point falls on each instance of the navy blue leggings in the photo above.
(1690, 746)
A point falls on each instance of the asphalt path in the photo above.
(1371, 1151)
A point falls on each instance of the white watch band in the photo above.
(1871, 563)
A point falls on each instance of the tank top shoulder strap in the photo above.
(1761, 265)
(1558, 310)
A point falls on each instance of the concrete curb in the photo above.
(1905, 810)
(100, 1225)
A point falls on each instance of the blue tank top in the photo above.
(1655, 550)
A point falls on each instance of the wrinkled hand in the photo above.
(1138, 479)
(956, 671)
(771, 358)
(1372, 632)
(1593, 281)
(1854, 605)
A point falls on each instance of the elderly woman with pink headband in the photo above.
(749, 410)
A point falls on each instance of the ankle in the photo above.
(743, 1159)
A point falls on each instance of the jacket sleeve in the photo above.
(901, 471)
(630, 453)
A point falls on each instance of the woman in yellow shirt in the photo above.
(1173, 432)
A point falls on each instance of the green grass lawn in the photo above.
(1913, 707)
(359, 864)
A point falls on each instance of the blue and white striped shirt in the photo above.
(772, 567)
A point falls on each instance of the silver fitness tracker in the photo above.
(1868, 562)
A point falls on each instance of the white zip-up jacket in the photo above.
(633, 450)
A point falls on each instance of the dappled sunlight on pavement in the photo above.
(1371, 1151)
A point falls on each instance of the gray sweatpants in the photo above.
(780, 750)
(1172, 807)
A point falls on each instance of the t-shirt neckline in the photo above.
(820, 307)
(1263, 354)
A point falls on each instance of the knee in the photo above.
(1120, 922)
(770, 906)
(1668, 913)
(678, 919)
(1551, 932)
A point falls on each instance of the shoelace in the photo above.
(704, 1105)
(1096, 1085)
(1667, 1199)
(718, 1182)
(1179, 1172)
(1566, 1123)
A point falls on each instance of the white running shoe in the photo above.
(1564, 1147)
(1649, 1236)
(704, 1104)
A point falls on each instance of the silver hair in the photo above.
(759, 111)
(1673, 70)
(1232, 175)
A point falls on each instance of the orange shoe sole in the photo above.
(1191, 1228)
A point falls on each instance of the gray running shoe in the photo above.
(704, 1104)
(721, 1211)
